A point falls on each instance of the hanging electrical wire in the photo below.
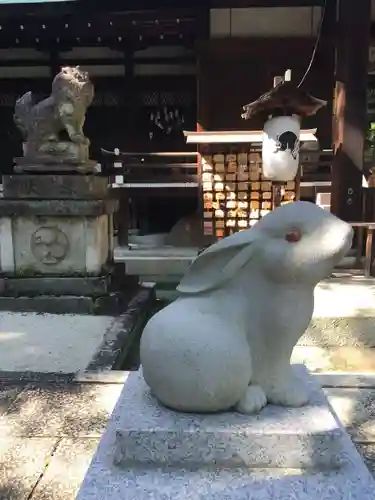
(320, 29)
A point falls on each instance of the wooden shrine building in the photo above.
(163, 67)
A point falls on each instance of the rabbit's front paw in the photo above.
(292, 393)
(253, 400)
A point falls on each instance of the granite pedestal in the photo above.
(149, 451)
(55, 235)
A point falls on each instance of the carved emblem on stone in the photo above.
(49, 245)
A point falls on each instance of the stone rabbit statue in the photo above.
(226, 342)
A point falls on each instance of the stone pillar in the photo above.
(56, 235)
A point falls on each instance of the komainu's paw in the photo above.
(253, 400)
(292, 393)
(80, 139)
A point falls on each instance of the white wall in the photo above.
(265, 22)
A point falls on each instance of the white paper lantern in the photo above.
(280, 150)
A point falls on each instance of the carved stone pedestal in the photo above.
(281, 453)
(55, 235)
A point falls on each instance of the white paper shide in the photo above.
(280, 149)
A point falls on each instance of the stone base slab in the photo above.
(191, 442)
(59, 208)
(353, 483)
(48, 164)
(49, 186)
(111, 304)
(307, 437)
(33, 287)
(48, 304)
(54, 152)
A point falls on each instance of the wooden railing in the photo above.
(364, 229)
(153, 170)
(166, 174)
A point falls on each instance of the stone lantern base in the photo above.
(56, 235)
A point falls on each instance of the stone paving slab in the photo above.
(343, 359)
(60, 410)
(66, 470)
(22, 461)
(32, 469)
(356, 410)
(49, 342)
(367, 452)
(344, 380)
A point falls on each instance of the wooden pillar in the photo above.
(130, 101)
(349, 113)
(55, 63)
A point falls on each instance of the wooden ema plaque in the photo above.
(235, 194)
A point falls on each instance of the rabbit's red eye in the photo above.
(293, 236)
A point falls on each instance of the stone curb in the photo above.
(326, 380)
(119, 336)
(343, 380)
(23, 378)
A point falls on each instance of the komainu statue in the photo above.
(244, 303)
(53, 128)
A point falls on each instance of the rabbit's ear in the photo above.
(218, 263)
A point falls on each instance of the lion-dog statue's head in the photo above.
(74, 84)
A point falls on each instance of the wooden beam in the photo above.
(130, 96)
(55, 61)
(81, 7)
(266, 3)
(44, 44)
(134, 5)
(36, 9)
(350, 117)
(157, 27)
(174, 4)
